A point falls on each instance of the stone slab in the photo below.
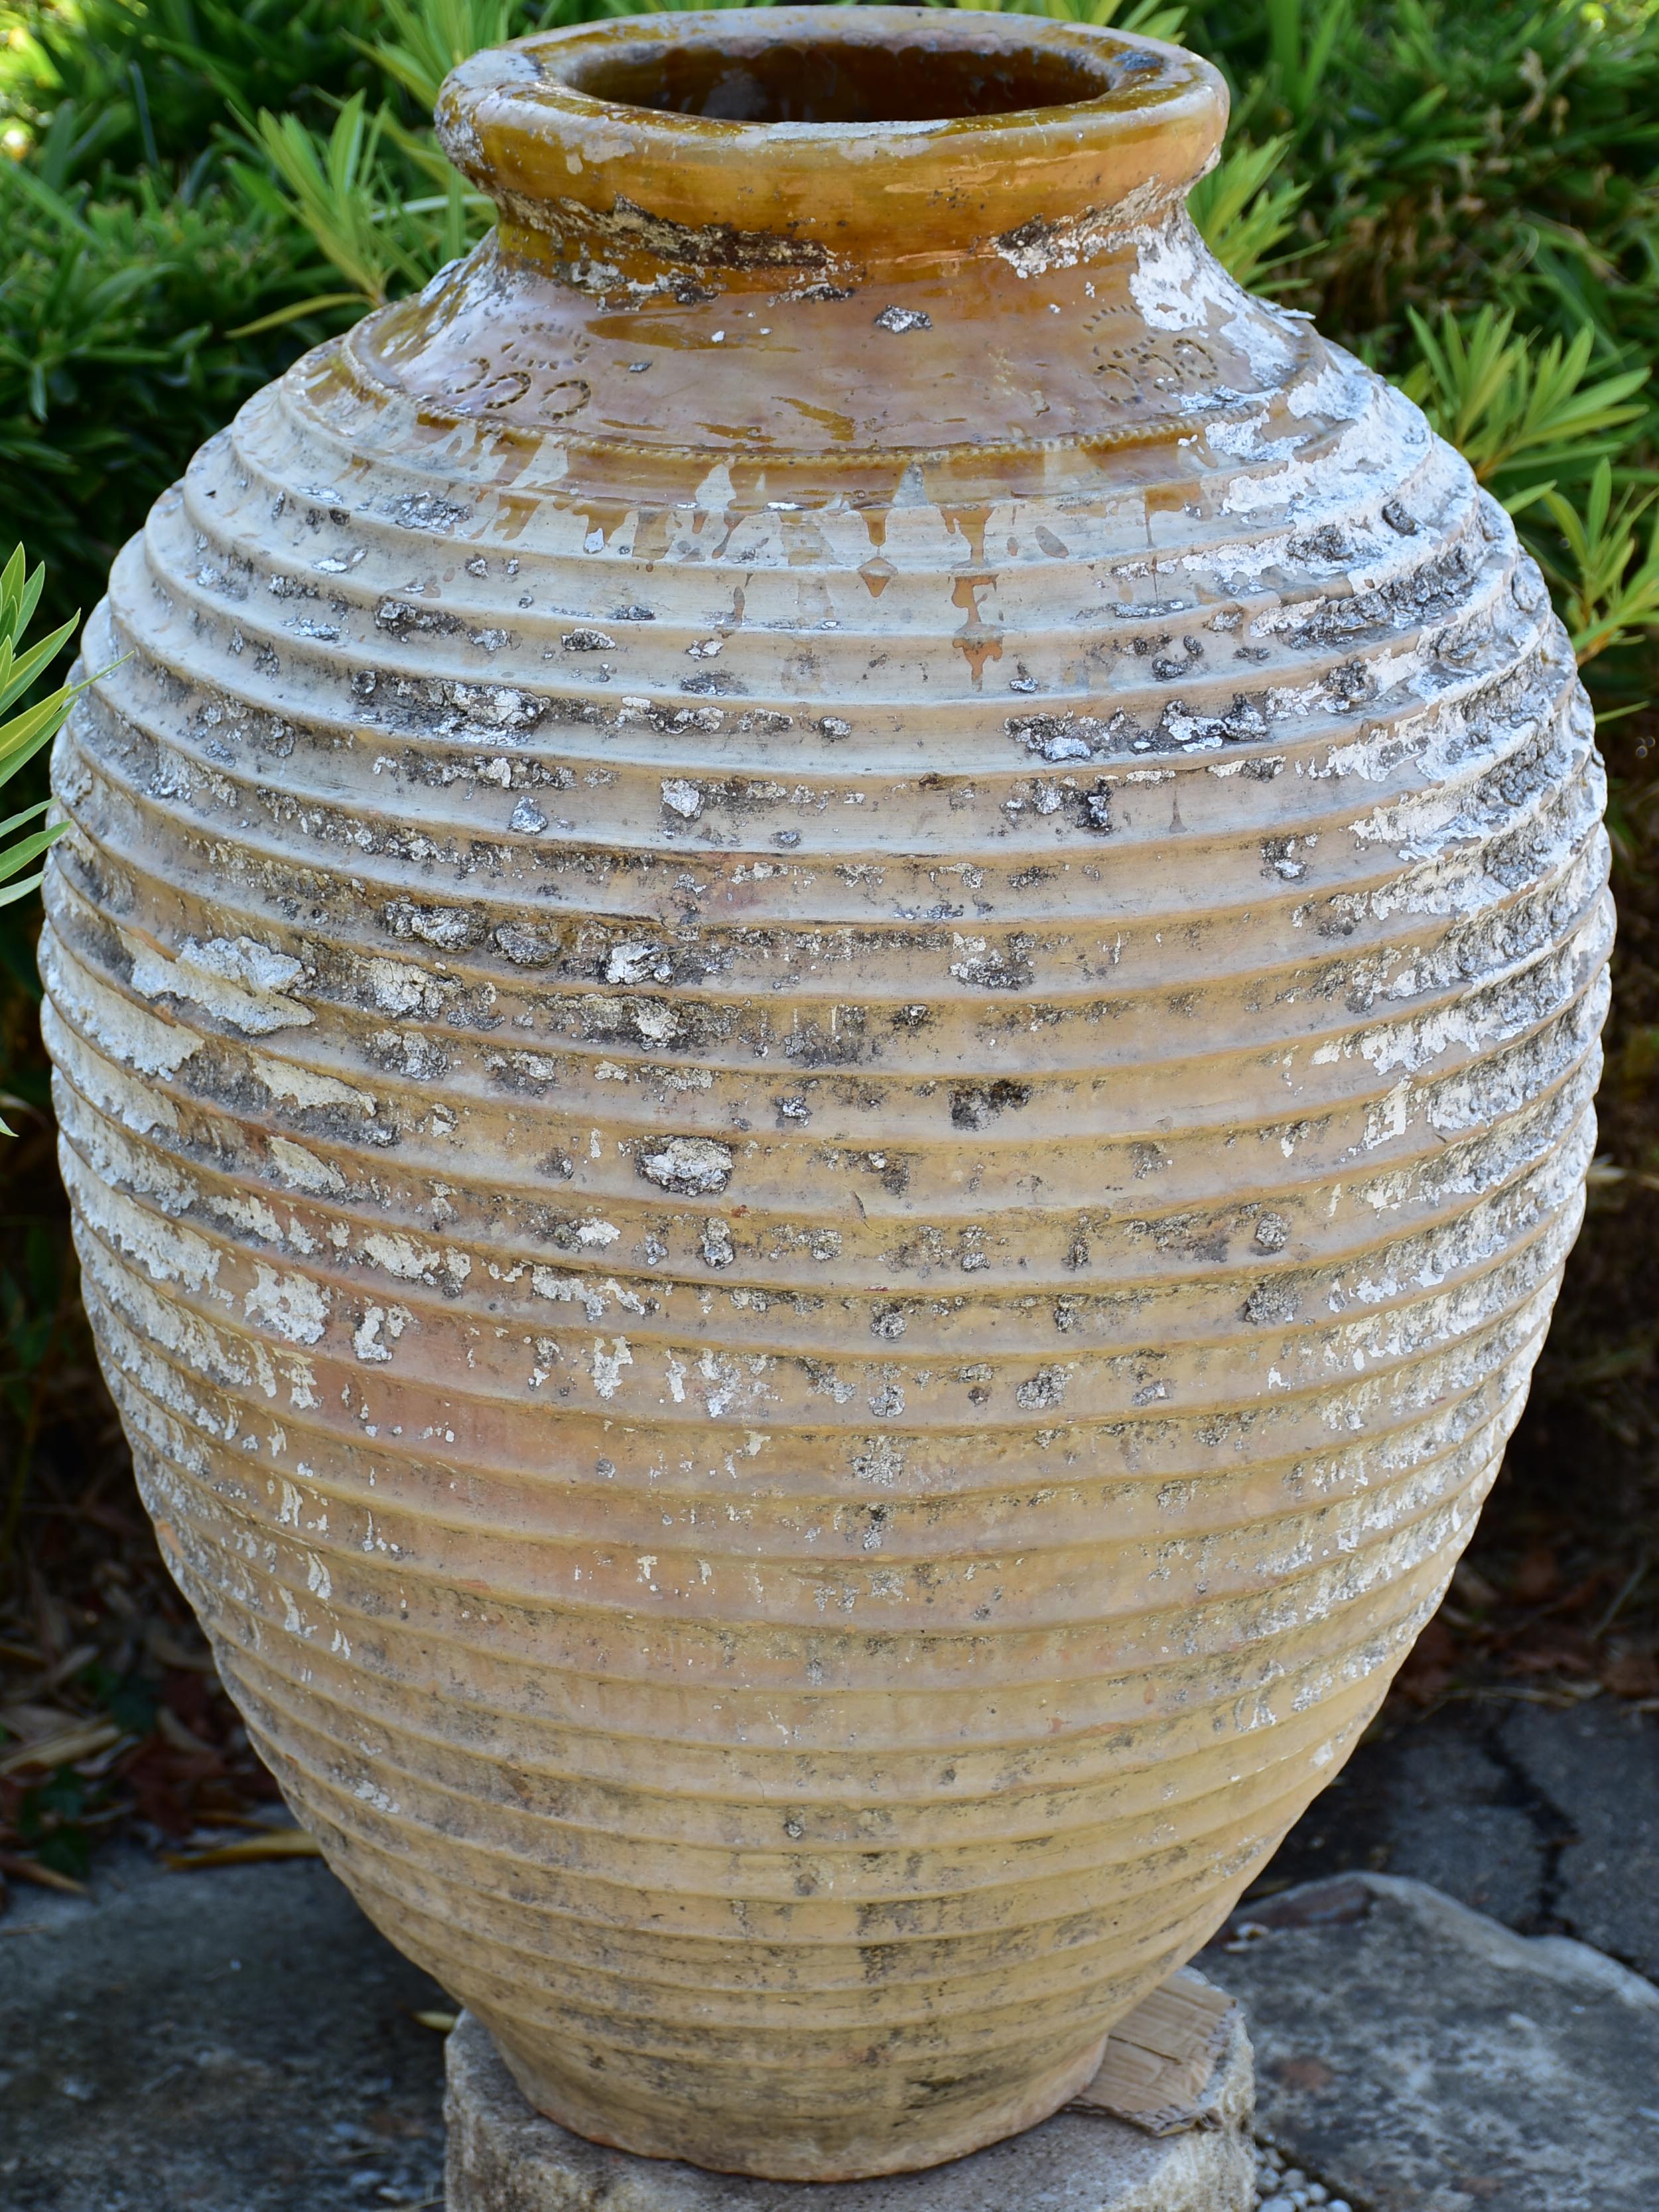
(1599, 1766)
(234, 2041)
(1415, 2056)
(505, 2157)
(1461, 1821)
(1544, 1817)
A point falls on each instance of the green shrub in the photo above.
(1457, 156)
(1468, 196)
(25, 836)
(1464, 195)
(210, 188)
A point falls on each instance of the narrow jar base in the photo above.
(872, 2135)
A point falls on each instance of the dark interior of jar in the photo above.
(824, 81)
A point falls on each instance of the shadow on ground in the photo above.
(240, 2040)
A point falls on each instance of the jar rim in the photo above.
(749, 122)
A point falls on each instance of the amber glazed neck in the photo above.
(822, 145)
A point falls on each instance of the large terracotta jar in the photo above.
(825, 1002)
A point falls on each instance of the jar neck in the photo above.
(793, 148)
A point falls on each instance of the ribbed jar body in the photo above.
(823, 1101)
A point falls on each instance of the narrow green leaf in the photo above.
(315, 306)
(13, 892)
(29, 814)
(16, 679)
(28, 848)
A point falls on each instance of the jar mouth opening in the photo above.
(839, 81)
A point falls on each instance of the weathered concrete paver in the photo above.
(1459, 1822)
(1545, 1819)
(234, 2041)
(1600, 1767)
(1417, 2057)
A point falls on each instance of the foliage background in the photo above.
(192, 191)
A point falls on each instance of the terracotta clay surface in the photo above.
(825, 998)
